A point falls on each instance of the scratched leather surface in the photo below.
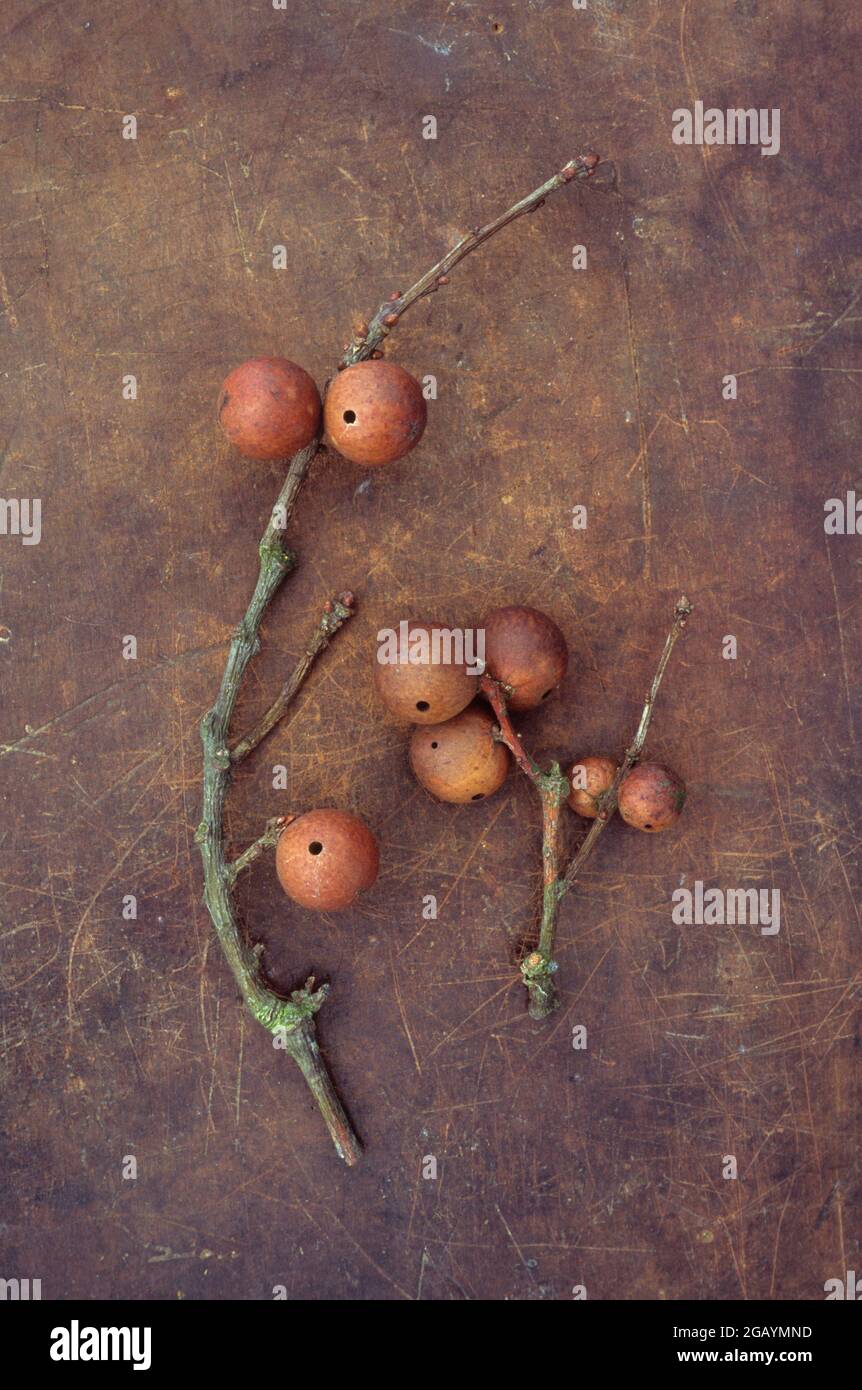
(556, 387)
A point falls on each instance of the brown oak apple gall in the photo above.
(374, 413)
(269, 408)
(460, 760)
(324, 858)
(423, 691)
(526, 652)
(589, 777)
(651, 797)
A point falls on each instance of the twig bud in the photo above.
(587, 162)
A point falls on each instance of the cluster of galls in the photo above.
(651, 796)
(374, 413)
(456, 750)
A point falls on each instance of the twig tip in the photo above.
(585, 163)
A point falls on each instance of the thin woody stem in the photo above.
(335, 616)
(607, 803)
(368, 337)
(293, 1018)
(268, 840)
(496, 695)
(552, 788)
(302, 1046)
(538, 968)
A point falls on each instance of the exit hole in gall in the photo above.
(423, 705)
(315, 847)
(547, 693)
(350, 417)
(435, 745)
(647, 827)
(477, 796)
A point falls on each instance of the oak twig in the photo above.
(539, 967)
(367, 338)
(552, 788)
(607, 803)
(496, 695)
(291, 1019)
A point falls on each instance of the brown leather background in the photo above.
(556, 387)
